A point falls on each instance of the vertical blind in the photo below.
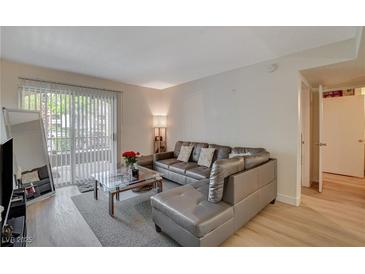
(80, 125)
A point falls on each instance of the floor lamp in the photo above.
(160, 125)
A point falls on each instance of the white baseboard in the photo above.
(288, 199)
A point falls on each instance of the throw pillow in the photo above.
(30, 177)
(206, 157)
(184, 154)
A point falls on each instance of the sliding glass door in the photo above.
(94, 133)
(80, 125)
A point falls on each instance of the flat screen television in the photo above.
(6, 177)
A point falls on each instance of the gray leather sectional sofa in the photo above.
(189, 215)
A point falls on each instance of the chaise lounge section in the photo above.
(189, 215)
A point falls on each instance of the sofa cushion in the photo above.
(196, 151)
(221, 152)
(199, 172)
(206, 156)
(233, 155)
(251, 150)
(178, 146)
(202, 186)
(220, 171)
(185, 153)
(256, 159)
(181, 167)
(166, 163)
(238, 150)
(255, 155)
(188, 207)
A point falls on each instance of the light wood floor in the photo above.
(57, 222)
(335, 217)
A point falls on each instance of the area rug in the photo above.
(86, 186)
(132, 224)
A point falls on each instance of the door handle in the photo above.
(361, 141)
(321, 144)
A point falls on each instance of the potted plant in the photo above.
(130, 159)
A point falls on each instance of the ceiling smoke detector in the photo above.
(271, 68)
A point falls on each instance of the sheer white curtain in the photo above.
(80, 126)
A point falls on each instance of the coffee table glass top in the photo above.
(119, 178)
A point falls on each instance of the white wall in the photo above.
(242, 107)
(251, 107)
(134, 117)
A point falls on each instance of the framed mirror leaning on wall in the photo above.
(31, 160)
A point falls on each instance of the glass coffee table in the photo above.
(117, 181)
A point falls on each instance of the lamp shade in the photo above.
(160, 121)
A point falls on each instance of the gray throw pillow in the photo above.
(206, 157)
(222, 169)
(184, 154)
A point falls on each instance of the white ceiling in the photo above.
(344, 74)
(159, 57)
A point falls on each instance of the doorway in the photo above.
(341, 127)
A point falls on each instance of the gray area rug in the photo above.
(86, 186)
(132, 224)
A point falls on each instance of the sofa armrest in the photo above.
(220, 171)
(163, 156)
(145, 161)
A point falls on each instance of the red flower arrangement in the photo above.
(130, 157)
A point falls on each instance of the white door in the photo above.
(305, 134)
(343, 132)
